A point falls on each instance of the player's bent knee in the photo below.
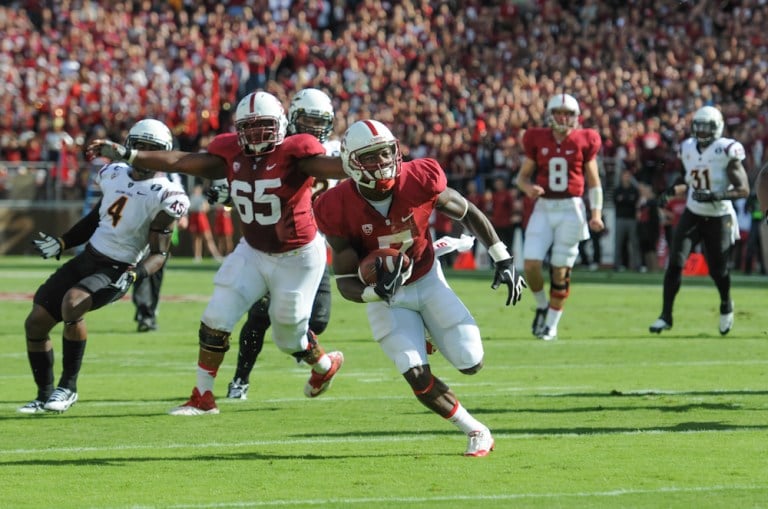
(213, 340)
(426, 387)
(472, 370)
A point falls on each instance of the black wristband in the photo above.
(141, 272)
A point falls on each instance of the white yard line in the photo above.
(335, 502)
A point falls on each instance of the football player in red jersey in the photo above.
(270, 182)
(558, 160)
(387, 203)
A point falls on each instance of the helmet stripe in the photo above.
(253, 102)
(371, 127)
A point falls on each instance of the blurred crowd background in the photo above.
(458, 81)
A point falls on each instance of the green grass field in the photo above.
(607, 416)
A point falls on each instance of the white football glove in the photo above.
(111, 150)
(48, 246)
(125, 281)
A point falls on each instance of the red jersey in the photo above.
(560, 166)
(677, 207)
(342, 212)
(503, 206)
(273, 198)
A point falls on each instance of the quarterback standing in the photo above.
(559, 158)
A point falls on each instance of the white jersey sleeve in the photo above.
(128, 207)
(708, 170)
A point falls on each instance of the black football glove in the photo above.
(507, 274)
(706, 195)
(218, 193)
(48, 246)
(666, 196)
(387, 283)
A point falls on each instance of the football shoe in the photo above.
(61, 399)
(198, 404)
(480, 443)
(659, 325)
(318, 383)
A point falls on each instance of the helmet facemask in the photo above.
(376, 166)
(562, 120)
(563, 113)
(316, 124)
(311, 112)
(259, 135)
(707, 125)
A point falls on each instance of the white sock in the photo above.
(541, 299)
(205, 378)
(553, 317)
(464, 421)
(323, 364)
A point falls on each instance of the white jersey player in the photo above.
(706, 168)
(713, 176)
(127, 208)
(138, 209)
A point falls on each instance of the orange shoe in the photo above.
(319, 382)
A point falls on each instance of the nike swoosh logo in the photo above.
(271, 166)
(388, 287)
(139, 192)
(406, 218)
(569, 152)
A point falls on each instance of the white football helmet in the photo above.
(311, 112)
(260, 123)
(148, 134)
(707, 125)
(151, 132)
(563, 102)
(370, 155)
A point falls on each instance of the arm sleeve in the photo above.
(83, 229)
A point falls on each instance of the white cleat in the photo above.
(237, 389)
(548, 334)
(659, 325)
(480, 443)
(33, 407)
(726, 322)
(60, 400)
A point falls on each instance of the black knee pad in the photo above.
(213, 340)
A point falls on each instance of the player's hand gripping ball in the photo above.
(366, 271)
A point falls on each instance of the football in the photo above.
(366, 271)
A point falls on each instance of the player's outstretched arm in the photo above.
(198, 164)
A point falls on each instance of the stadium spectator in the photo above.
(648, 231)
(199, 227)
(626, 197)
(478, 80)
